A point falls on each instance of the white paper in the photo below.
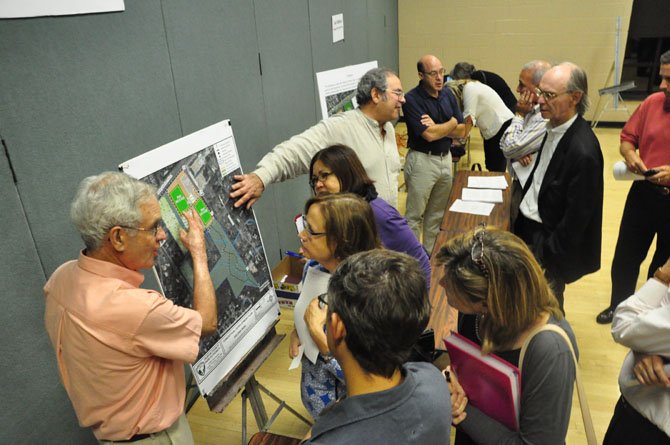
(523, 172)
(483, 195)
(472, 207)
(40, 8)
(338, 27)
(337, 88)
(487, 182)
(296, 360)
(621, 173)
(314, 284)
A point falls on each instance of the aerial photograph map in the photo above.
(235, 254)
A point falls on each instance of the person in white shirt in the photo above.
(484, 108)
(642, 323)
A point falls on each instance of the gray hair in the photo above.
(578, 82)
(462, 70)
(665, 58)
(107, 200)
(375, 78)
(537, 68)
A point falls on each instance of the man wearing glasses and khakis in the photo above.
(560, 215)
(121, 349)
(433, 119)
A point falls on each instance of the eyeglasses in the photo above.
(548, 95)
(321, 177)
(308, 229)
(399, 93)
(436, 73)
(477, 252)
(323, 300)
(151, 230)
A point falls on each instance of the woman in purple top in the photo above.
(337, 169)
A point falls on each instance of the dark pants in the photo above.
(647, 213)
(630, 427)
(493, 156)
(532, 232)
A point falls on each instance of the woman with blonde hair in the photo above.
(499, 289)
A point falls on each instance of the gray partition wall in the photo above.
(81, 94)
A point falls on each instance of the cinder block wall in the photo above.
(501, 35)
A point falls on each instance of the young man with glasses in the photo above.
(121, 349)
(433, 119)
(560, 215)
(368, 130)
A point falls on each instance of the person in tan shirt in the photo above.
(121, 349)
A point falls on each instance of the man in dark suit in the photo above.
(560, 214)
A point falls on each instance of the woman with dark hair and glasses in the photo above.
(337, 169)
(499, 289)
(335, 227)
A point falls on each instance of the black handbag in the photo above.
(424, 348)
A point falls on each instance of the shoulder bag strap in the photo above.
(532, 173)
(583, 402)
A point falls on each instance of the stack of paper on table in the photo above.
(472, 207)
(480, 196)
(487, 182)
(491, 384)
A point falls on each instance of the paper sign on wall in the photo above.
(338, 27)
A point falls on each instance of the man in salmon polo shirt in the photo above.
(121, 349)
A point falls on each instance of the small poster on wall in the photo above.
(337, 88)
(338, 27)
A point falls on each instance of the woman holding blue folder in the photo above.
(499, 289)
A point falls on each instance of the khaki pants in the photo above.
(178, 434)
(428, 179)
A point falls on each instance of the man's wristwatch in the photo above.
(662, 276)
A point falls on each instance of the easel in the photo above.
(243, 378)
(613, 92)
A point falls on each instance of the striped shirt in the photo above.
(524, 135)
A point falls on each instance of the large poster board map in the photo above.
(196, 172)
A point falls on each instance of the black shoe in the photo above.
(606, 316)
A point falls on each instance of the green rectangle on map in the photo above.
(203, 211)
(179, 199)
